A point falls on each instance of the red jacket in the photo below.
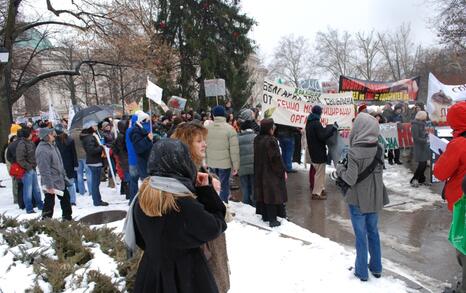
(451, 165)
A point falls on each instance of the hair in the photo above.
(187, 133)
(154, 202)
(131, 99)
(63, 137)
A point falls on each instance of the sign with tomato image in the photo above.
(176, 103)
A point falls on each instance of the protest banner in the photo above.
(389, 133)
(330, 87)
(176, 103)
(291, 106)
(366, 90)
(214, 87)
(441, 96)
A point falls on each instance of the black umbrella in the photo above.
(95, 113)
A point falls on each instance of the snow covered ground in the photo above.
(284, 259)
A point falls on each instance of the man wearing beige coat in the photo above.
(222, 154)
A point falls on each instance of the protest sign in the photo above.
(176, 103)
(441, 96)
(330, 87)
(367, 90)
(389, 133)
(214, 87)
(154, 92)
(291, 106)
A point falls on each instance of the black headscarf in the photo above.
(171, 158)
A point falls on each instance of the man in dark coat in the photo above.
(67, 149)
(121, 154)
(421, 147)
(269, 175)
(316, 136)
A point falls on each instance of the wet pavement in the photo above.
(418, 241)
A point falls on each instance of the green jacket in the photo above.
(222, 145)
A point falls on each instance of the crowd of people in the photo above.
(186, 161)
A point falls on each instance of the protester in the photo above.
(249, 116)
(93, 148)
(246, 153)
(387, 112)
(121, 155)
(366, 197)
(141, 138)
(285, 135)
(52, 175)
(66, 146)
(132, 160)
(194, 136)
(82, 166)
(451, 168)
(362, 108)
(316, 136)
(222, 150)
(269, 175)
(109, 139)
(26, 158)
(421, 147)
(10, 158)
(396, 117)
(175, 213)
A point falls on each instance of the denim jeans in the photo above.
(367, 240)
(287, 146)
(81, 167)
(142, 169)
(133, 181)
(247, 188)
(72, 190)
(95, 189)
(224, 175)
(31, 188)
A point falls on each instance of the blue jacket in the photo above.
(132, 158)
(141, 143)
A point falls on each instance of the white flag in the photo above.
(70, 115)
(154, 92)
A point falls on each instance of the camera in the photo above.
(339, 182)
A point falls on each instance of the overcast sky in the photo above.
(305, 17)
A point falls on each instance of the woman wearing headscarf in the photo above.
(421, 148)
(365, 197)
(269, 175)
(175, 213)
(194, 136)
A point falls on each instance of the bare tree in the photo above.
(292, 60)
(367, 61)
(399, 52)
(451, 22)
(335, 52)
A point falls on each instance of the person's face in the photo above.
(52, 136)
(131, 106)
(398, 111)
(107, 128)
(378, 118)
(199, 146)
(417, 109)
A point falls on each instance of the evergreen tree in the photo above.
(211, 37)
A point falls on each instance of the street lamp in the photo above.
(4, 58)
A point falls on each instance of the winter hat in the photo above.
(141, 116)
(43, 132)
(365, 129)
(362, 108)
(219, 111)
(266, 125)
(59, 129)
(455, 118)
(421, 115)
(317, 110)
(171, 158)
(246, 115)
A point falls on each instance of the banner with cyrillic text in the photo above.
(291, 106)
(440, 97)
(367, 90)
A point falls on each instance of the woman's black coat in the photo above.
(68, 155)
(316, 136)
(92, 148)
(173, 260)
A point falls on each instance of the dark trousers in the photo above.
(394, 154)
(462, 261)
(419, 173)
(49, 204)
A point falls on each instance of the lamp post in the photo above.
(4, 59)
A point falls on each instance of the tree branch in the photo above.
(26, 27)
